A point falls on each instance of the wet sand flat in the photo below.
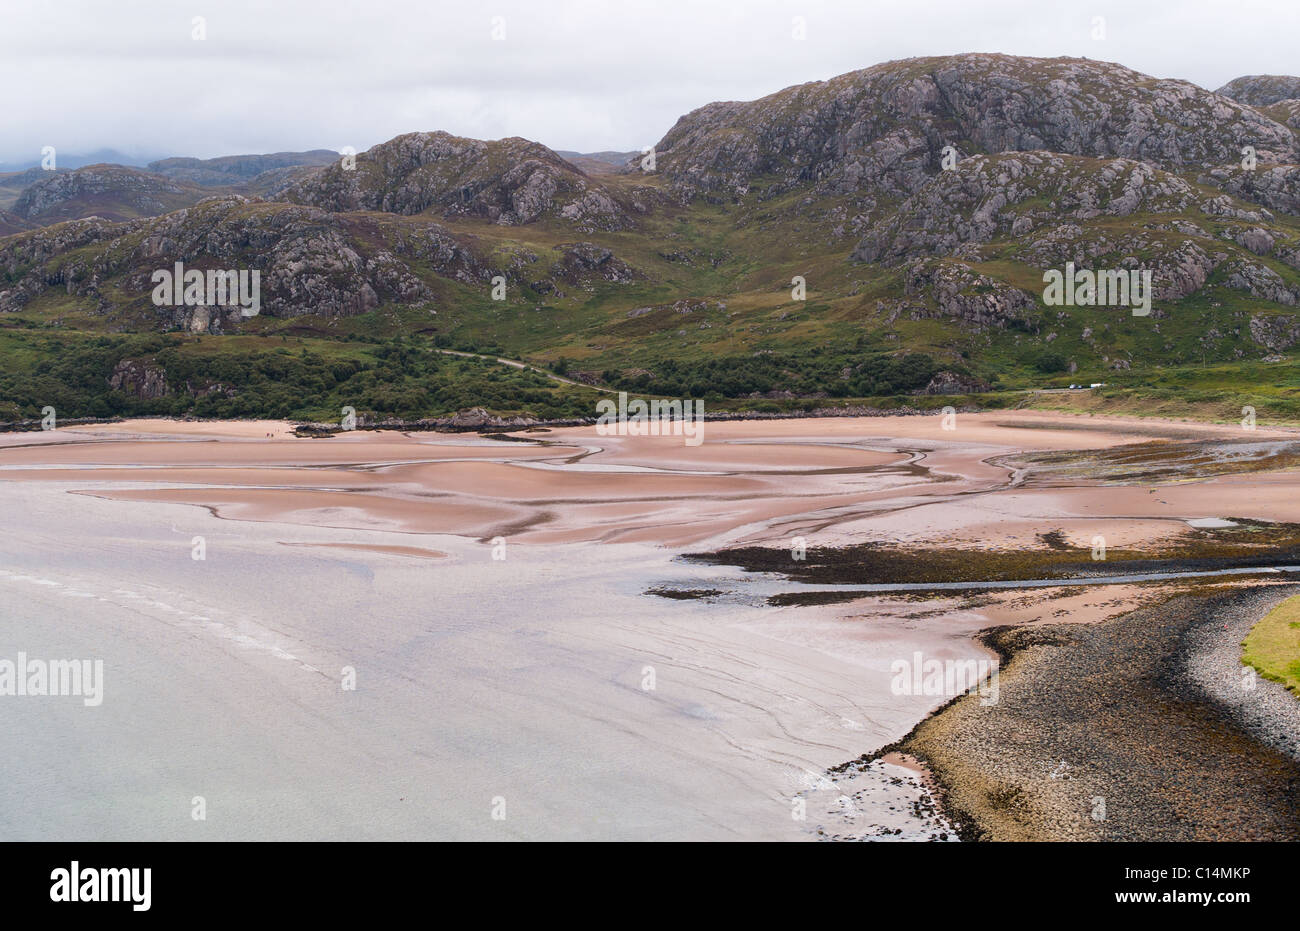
(490, 598)
(836, 480)
(546, 679)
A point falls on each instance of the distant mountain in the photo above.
(15, 182)
(38, 197)
(235, 169)
(109, 191)
(1261, 90)
(67, 161)
(600, 163)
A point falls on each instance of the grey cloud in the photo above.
(574, 74)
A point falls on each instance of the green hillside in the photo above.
(922, 266)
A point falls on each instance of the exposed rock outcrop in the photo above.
(984, 197)
(1260, 90)
(954, 383)
(583, 262)
(1260, 281)
(885, 127)
(140, 378)
(1277, 187)
(310, 261)
(508, 182)
(962, 293)
(1276, 332)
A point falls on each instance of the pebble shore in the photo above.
(1137, 729)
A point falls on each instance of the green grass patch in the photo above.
(1272, 647)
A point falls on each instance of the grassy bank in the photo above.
(1273, 645)
(1098, 734)
(291, 372)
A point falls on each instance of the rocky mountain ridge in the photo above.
(883, 130)
(235, 169)
(921, 200)
(111, 191)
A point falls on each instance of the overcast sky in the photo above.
(574, 74)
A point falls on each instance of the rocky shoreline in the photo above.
(1212, 661)
(1134, 729)
(479, 420)
(28, 426)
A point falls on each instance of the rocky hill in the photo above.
(13, 183)
(885, 231)
(1262, 90)
(1042, 210)
(509, 182)
(881, 131)
(39, 198)
(110, 191)
(310, 260)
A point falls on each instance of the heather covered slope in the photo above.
(12, 223)
(921, 274)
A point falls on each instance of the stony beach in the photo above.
(1135, 728)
